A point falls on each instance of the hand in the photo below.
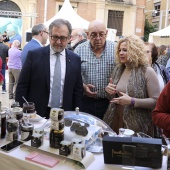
(88, 90)
(124, 99)
(111, 88)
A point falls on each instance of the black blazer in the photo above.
(34, 80)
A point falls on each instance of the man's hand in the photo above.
(89, 90)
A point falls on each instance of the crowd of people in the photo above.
(126, 84)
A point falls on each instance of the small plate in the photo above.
(36, 119)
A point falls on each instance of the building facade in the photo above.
(126, 16)
(158, 13)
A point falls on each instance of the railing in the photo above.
(18, 14)
(130, 2)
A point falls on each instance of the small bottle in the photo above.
(3, 124)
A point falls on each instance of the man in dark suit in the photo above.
(36, 78)
(39, 39)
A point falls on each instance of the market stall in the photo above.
(161, 37)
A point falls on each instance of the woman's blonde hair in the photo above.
(135, 50)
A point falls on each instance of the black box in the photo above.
(133, 151)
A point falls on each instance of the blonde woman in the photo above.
(133, 88)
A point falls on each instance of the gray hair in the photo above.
(60, 22)
(82, 33)
(16, 43)
(36, 29)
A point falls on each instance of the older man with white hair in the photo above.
(78, 36)
(14, 67)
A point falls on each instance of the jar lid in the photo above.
(12, 120)
(36, 135)
(58, 131)
(17, 110)
(27, 126)
(3, 112)
(65, 142)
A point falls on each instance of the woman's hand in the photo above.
(110, 88)
(124, 99)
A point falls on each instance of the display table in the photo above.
(16, 160)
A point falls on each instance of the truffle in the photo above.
(75, 126)
(82, 131)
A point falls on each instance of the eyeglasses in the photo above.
(62, 39)
(46, 32)
(95, 35)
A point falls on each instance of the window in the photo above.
(157, 7)
(115, 21)
(9, 6)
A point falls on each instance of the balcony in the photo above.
(127, 2)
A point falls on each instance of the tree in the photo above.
(147, 30)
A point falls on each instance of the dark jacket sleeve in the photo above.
(161, 113)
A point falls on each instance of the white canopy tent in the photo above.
(68, 13)
(161, 37)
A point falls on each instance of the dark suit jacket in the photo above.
(34, 81)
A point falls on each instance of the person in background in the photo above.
(168, 62)
(14, 67)
(5, 37)
(13, 32)
(39, 39)
(161, 113)
(3, 54)
(161, 71)
(97, 59)
(46, 64)
(162, 55)
(78, 36)
(130, 91)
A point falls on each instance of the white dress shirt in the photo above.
(63, 71)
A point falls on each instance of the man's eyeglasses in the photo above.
(95, 35)
(62, 39)
(46, 32)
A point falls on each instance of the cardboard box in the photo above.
(133, 151)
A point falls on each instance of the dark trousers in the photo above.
(47, 113)
(3, 73)
(95, 106)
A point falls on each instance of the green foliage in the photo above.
(148, 29)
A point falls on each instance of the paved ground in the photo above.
(4, 98)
